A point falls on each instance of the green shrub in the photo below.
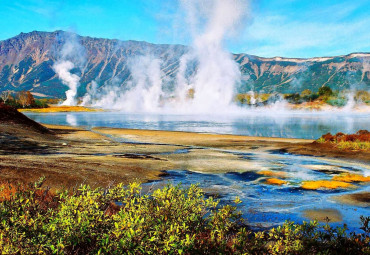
(310, 98)
(356, 145)
(321, 140)
(40, 104)
(293, 98)
(340, 102)
(362, 96)
(325, 91)
(171, 220)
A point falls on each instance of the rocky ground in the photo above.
(70, 156)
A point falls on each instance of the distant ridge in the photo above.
(26, 62)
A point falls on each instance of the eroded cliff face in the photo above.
(26, 63)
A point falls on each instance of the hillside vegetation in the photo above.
(325, 95)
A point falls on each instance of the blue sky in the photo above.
(288, 28)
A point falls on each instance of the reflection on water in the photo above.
(292, 125)
(71, 119)
(267, 205)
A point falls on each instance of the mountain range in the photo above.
(26, 63)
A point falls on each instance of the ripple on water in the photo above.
(244, 176)
(266, 205)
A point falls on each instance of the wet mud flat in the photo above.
(69, 156)
(274, 184)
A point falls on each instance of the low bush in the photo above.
(294, 98)
(362, 96)
(310, 98)
(358, 141)
(355, 145)
(171, 220)
(335, 101)
(325, 91)
(361, 136)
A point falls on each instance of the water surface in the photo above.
(266, 205)
(268, 124)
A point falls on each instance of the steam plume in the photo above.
(63, 69)
(210, 23)
(90, 94)
(217, 74)
(71, 56)
(143, 92)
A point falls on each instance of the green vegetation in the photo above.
(171, 220)
(339, 102)
(324, 95)
(294, 98)
(328, 96)
(256, 99)
(362, 96)
(22, 100)
(325, 91)
(357, 145)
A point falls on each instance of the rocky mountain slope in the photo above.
(26, 63)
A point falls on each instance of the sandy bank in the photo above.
(198, 139)
(70, 156)
(62, 109)
(236, 143)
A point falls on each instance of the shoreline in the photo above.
(306, 108)
(57, 108)
(103, 156)
(298, 146)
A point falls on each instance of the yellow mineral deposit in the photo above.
(325, 184)
(275, 181)
(348, 177)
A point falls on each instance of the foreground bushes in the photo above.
(172, 220)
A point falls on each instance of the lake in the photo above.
(253, 123)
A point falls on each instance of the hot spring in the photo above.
(202, 101)
(263, 205)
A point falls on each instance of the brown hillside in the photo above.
(10, 115)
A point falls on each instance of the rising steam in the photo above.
(143, 93)
(71, 57)
(63, 70)
(217, 74)
(210, 88)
